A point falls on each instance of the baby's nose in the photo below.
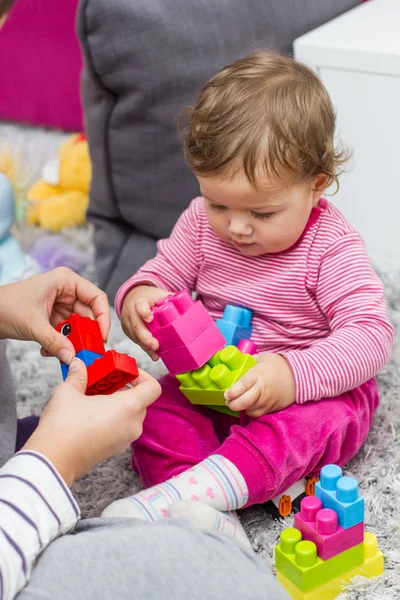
(239, 227)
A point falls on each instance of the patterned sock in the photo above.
(215, 481)
(206, 517)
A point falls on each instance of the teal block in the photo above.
(235, 324)
(341, 495)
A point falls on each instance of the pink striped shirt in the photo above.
(319, 304)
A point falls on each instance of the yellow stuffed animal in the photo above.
(60, 199)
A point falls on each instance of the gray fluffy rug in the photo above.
(376, 466)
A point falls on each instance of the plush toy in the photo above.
(61, 197)
(52, 251)
(14, 264)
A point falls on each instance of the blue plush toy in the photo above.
(14, 264)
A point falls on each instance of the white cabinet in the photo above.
(357, 57)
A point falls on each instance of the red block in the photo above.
(83, 332)
(110, 373)
(320, 525)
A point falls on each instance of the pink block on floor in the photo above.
(40, 65)
(187, 335)
(320, 525)
(195, 354)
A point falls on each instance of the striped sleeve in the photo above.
(36, 506)
(351, 296)
(175, 266)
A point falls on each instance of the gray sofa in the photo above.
(144, 62)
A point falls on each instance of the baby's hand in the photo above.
(136, 312)
(267, 387)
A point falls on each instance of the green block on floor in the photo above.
(297, 560)
(207, 385)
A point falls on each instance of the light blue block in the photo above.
(85, 355)
(341, 495)
(235, 324)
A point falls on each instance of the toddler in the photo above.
(260, 141)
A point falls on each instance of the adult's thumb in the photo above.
(55, 343)
(77, 375)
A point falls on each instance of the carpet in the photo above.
(376, 466)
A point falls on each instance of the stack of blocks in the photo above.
(194, 349)
(328, 545)
(107, 371)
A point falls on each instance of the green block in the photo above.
(297, 560)
(207, 385)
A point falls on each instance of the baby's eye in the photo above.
(262, 216)
(217, 207)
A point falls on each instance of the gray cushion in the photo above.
(145, 61)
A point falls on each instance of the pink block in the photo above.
(247, 347)
(320, 525)
(181, 326)
(195, 354)
(40, 65)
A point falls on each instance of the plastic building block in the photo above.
(341, 495)
(207, 385)
(107, 371)
(371, 567)
(297, 560)
(320, 525)
(110, 373)
(247, 346)
(86, 356)
(83, 332)
(187, 335)
(235, 324)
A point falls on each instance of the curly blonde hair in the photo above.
(266, 114)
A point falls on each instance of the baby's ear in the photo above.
(321, 182)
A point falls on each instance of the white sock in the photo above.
(206, 517)
(215, 481)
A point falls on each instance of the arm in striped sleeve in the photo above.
(351, 296)
(175, 266)
(36, 507)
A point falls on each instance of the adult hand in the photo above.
(30, 309)
(76, 431)
(267, 387)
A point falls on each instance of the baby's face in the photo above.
(258, 222)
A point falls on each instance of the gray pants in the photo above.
(121, 559)
(8, 409)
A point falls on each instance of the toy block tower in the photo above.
(192, 347)
(328, 545)
(107, 371)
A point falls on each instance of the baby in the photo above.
(260, 141)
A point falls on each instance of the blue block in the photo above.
(85, 355)
(341, 495)
(64, 370)
(235, 324)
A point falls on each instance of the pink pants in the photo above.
(272, 452)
